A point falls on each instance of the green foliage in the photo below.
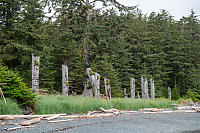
(67, 83)
(175, 93)
(16, 88)
(191, 95)
(36, 63)
(10, 108)
(91, 72)
(183, 101)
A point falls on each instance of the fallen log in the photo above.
(29, 122)
(2, 117)
(10, 117)
(61, 121)
(109, 110)
(93, 112)
(15, 128)
(87, 116)
(52, 117)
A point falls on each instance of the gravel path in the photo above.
(127, 123)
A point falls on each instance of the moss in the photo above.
(98, 77)
(107, 82)
(67, 83)
(91, 72)
(36, 63)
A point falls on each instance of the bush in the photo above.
(16, 88)
(192, 95)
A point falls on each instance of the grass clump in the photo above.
(49, 104)
(69, 105)
(10, 108)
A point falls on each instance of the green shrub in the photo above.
(176, 93)
(16, 88)
(192, 95)
(10, 108)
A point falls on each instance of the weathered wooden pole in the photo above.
(169, 93)
(88, 83)
(146, 88)
(142, 87)
(138, 95)
(35, 73)
(65, 80)
(96, 84)
(132, 86)
(125, 93)
(152, 88)
(107, 88)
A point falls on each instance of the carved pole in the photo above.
(65, 80)
(169, 93)
(107, 88)
(138, 95)
(125, 94)
(142, 87)
(152, 88)
(35, 73)
(132, 86)
(146, 88)
(88, 83)
(96, 84)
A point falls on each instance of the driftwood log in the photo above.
(21, 127)
(29, 122)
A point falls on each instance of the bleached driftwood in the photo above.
(19, 127)
(7, 117)
(152, 88)
(109, 110)
(93, 112)
(2, 117)
(29, 122)
(52, 117)
(132, 87)
(65, 80)
(61, 121)
(87, 116)
(35, 73)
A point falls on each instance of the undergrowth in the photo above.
(10, 108)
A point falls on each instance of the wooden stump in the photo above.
(65, 80)
(35, 73)
(125, 93)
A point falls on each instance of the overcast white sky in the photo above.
(177, 8)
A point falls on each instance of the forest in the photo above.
(119, 42)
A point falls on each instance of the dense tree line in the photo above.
(123, 43)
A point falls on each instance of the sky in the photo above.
(176, 8)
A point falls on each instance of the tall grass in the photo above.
(70, 105)
(10, 108)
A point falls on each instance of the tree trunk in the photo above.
(152, 88)
(35, 73)
(169, 93)
(146, 88)
(125, 94)
(107, 88)
(65, 80)
(142, 87)
(132, 86)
